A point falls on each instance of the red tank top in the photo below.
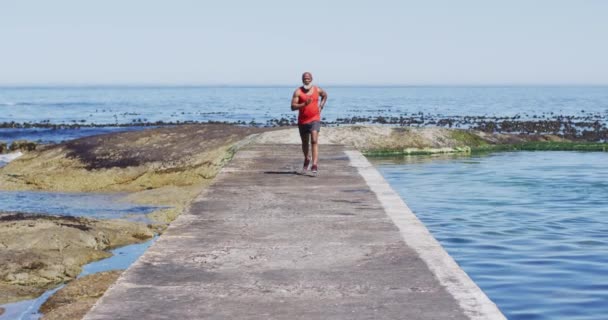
(309, 112)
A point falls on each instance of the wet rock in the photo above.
(75, 299)
(12, 293)
(23, 145)
(40, 252)
(3, 147)
(128, 161)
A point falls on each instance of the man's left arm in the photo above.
(323, 96)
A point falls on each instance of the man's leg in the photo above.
(315, 146)
(305, 143)
(305, 149)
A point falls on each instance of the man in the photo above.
(306, 100)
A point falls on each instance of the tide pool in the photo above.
(121, 259)
(48, 135)
(530, 228)
(90, 205)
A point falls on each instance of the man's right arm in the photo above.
(294, 102)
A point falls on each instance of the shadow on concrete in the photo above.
(295, 173)
(282, 172)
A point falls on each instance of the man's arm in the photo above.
(294, 101)
(323, 96)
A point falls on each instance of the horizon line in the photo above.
(274, 85)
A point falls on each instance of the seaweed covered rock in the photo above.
(23, 145)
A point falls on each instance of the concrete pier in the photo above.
(264, 242)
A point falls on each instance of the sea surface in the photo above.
(128, 106)
(530, 228)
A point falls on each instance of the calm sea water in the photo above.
(111, 105)
(530, 228)
(129, 105)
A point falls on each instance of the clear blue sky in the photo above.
(273, 42)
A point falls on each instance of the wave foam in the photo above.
(6, 158)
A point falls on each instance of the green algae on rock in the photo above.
(546, 146)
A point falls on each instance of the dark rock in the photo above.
(168, 145)
(23, 145)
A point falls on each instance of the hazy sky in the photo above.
(274, 41)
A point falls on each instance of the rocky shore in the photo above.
(75, 299)
(39, 252)
(162, 166)
(169, 166)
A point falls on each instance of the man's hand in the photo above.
(323, 95)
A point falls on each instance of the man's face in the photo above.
(306, 79)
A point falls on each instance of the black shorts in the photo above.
(307, 128)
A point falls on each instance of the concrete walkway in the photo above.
(266, 243)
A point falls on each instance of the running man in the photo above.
(306, 101)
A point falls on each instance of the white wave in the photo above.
(6, 158)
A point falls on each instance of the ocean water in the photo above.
(124, 105)
(530, 228)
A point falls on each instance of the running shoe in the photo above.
(314, 169)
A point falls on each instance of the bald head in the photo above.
(306, 79)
